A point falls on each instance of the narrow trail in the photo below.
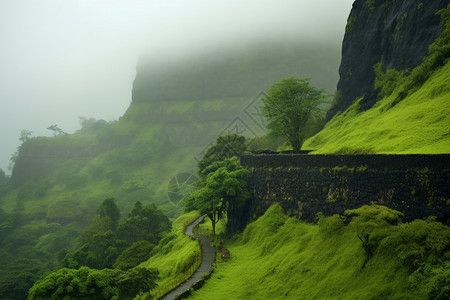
(208, 255)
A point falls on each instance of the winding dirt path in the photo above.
(208, 255)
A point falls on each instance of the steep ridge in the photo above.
(399, 31)
(410, 113)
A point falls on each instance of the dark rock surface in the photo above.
(398, 30)
(416, 185)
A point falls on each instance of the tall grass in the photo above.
(279, 257)
(176, 257)
(418, 124)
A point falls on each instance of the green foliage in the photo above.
(330, 225)
(134, 255)
(432, 282)
(5, 183)
(17, 275)
(176, 256)
(105, 238)
(63, 211)
(144, 223)
(420, 241)
(149, 144)
(109, 213)
(91, 124)
(439, 53)
(56, 130)
(291, 107)
(223, 191)
(136, 281)
(226, 147)
(369, 222)
(86, 283)
(290, 259)
(417, 125)
(387, 80)
(100, 252)
(350, 23)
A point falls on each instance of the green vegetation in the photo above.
(413, 115)
(226, 146)
(105, 238)
(417, 124)
(291, 107)
(59, 182)
(280, 257)
(104, 245)
(86, 283)
(176, 257)
(223, 192)
(350, 23)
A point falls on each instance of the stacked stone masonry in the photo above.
(417, 185)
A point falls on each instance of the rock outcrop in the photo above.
(399, 31)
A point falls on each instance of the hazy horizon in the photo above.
(62, 60)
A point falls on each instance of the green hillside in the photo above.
(59, 182)
(420, 123)
(412, 116)
(279, 257)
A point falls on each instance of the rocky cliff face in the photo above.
(400, 31)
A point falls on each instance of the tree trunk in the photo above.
(213, 222)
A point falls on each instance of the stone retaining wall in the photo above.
(417, 185)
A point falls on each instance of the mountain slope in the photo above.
(420, 123)
(398, 31)
(279, 257)
(59, 182)
(411, 115)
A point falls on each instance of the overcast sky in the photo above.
(63, 59)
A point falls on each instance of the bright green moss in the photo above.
(418, 124)
(277, 257)
(176, 257)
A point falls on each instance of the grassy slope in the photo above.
(176, 259)
(280, 257)
(418, 124)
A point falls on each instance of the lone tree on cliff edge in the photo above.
(291, 107)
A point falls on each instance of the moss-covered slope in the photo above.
(277, 257)
(420, 123)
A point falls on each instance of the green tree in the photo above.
(223, 192)
(291, 107)
(86, 283)
(138, 252)
(5, 182)
(109, 213)
(100, 246)
(56, 130)
(144, 223)
(100, 252)
(25, 135)
(226, 146)
(135, 281)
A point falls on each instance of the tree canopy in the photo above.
(291, 107)
(223, 191)
(86, 283)
(226, 146)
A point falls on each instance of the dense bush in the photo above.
(138, 252)
(86, 283)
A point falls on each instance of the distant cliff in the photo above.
(400, 31)
(243, 71)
